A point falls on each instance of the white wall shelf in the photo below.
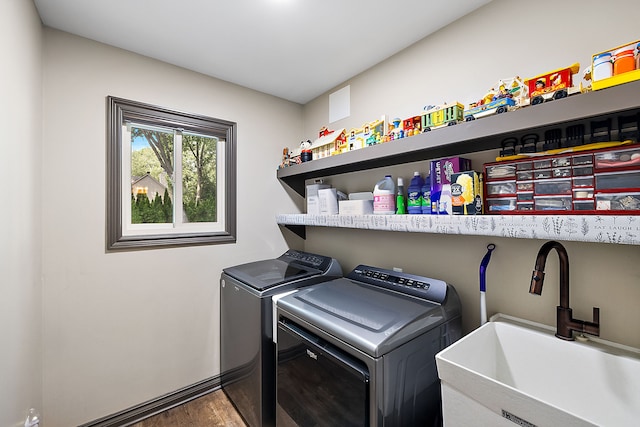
(615, 229)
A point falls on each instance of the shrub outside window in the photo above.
(170, 177)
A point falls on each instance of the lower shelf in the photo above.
(618, 229)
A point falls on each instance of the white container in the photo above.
(313, 201)
(328, 201)
(355, 207)
(363, 195)
(384, 197)
(602, 66)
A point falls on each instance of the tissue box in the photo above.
(440, 174)
(466, 193)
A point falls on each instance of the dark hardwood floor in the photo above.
(213, 409)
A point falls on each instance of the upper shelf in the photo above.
(478, 135)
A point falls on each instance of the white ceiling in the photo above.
(293, 49)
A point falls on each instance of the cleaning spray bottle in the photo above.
(414, 196)
(401, 205)
(426, 196)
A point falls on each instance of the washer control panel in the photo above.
(427, 288)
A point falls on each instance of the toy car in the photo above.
(553, 85)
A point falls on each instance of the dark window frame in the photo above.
(120, 111)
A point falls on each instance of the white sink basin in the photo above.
(513, 371)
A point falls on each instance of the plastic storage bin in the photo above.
(501, 188)
(617, 159)
(553, 203)
(583, 205)
(553, 186)
(583, 170)
(501, 204)
(525, 186)
(618, 201)
(501, 171)
(618, 180)
(583, 181)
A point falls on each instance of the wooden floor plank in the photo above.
(213, 409)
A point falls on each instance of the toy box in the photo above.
(328, 143)
(441, 172)
(615, 66)
(466, 193)
(374, 131)
(412, 126)
(356, 139)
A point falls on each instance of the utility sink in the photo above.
(513, 371)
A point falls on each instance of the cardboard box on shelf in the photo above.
(311, 197)
(440, 174)
(466, 193)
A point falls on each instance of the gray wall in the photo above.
(117, 334)
(20, 214)
(459, 63)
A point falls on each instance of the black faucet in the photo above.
(565, 321)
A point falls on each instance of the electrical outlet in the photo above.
(33, 419)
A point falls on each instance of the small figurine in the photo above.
(305, 151)
(398, 130)
(324, 131)
(286, 159)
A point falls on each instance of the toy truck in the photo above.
(553, 85)
(511, 94)
(444, 115)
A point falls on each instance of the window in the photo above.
(170, 177)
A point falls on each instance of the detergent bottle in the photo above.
(384, 197)
(414, 196)
(426, 196)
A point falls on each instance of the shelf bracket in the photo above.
(300, 230)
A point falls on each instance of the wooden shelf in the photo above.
(478, 135)
(616, 229)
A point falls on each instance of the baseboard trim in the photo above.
(155, 406)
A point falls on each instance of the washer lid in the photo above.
(265, 274)
(372, 319)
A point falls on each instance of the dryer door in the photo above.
(318, 384)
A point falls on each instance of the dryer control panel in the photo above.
(433, 290)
